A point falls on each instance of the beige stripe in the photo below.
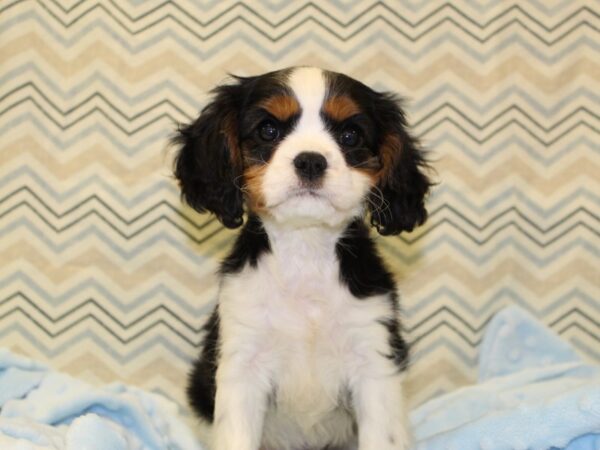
(157, 367)
(93, 260)
(420, 377)
(581, 170)
(508, 68)
(95, 155)
(505, 271)
(98, 51)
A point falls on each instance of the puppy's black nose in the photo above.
(310, 165)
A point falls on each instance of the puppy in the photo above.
(304, 348)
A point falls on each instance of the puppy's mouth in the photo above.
(306, 192)
(303, 193)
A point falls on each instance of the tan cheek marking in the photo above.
(253, 180)
(340, 107)
(372, 174)
(282, 106)
(383, 167)
(389, 155)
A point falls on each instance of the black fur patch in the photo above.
(399, 348)
(249, 245)
(365, 274)
(361, 267)
(206, 165)
(202, 386)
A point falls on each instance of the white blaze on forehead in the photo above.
(309, 87)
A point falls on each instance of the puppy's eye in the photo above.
(349, 137)
(268, 131)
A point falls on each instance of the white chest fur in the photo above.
(291, 326)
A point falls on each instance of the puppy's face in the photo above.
(303, 146)
(308, 152)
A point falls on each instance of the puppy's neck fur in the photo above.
(290, 243)
(303, 258)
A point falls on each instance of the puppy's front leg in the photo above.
(381, 413)
(240, 406)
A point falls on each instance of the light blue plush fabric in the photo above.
(44, 410)
(534, 392)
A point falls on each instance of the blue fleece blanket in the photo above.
(534, 392)
(44, 410)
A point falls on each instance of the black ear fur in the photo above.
(208, 165)
(398, 202)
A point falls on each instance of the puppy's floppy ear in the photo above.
(398, 202)
(209, 161)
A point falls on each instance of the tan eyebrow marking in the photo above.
(281, 107)
(340, 107)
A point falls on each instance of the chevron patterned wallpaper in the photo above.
(104, 274)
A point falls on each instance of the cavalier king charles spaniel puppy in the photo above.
(304, 348)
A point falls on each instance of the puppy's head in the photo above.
(303, 146)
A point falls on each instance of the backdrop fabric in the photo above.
(106, 276)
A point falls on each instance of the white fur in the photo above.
(294, 340)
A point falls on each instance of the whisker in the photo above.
(383, 209)
(235, 181)
(259, 161)
(370, 163)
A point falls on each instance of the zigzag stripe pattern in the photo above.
(106, 275)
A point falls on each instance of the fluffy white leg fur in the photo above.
(381, 413)
(240, 404)
(239, 417)
(380, 409)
